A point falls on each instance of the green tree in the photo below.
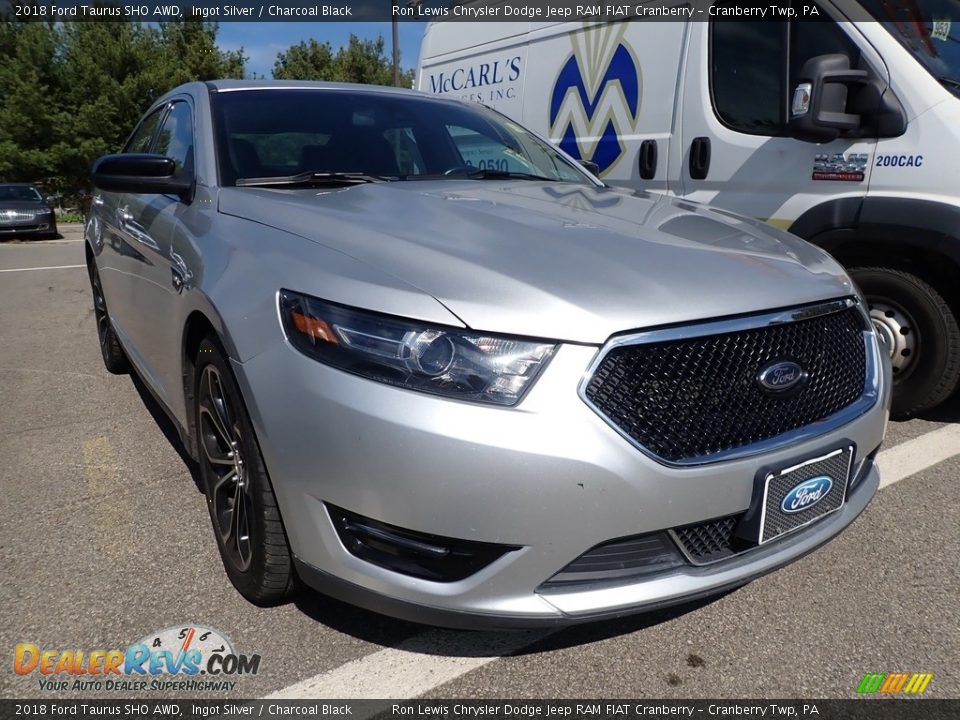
(29, 79)
(74, 91)
(191, 52)
(305, 61)
(359, 61)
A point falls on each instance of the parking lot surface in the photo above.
(106, 540)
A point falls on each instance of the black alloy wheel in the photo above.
(243, 509)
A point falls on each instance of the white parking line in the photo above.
(47, 267)
(415, 666)
(423, 662)
(910, 457)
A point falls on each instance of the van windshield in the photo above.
(929, 29)
(295, 135)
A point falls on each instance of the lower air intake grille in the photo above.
(710, 541)
(619, 560)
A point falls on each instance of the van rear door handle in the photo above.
(699, 158)
(648, 159)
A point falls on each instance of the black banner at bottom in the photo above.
(854, 709)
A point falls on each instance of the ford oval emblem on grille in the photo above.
(807, 494)
(781, 376)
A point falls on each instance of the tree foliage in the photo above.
(359, 61)
(73, 91)
(70, 92)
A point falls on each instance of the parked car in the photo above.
(500, 396)
(24, 212)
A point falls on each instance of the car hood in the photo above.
(554, 260)
(22, 205)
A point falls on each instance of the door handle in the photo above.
(180, 275)
(699, 158)
(648, 159)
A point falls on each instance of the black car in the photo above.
(23, 211)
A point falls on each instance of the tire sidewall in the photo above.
(928, 379)
(247, 581)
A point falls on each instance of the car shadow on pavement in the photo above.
(946, 412)
(168, 429)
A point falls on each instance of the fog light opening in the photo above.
(413, 553)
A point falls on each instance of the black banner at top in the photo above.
(520, 11)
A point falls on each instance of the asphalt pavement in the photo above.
(106, 540)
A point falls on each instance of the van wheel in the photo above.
(243, 509)
(114, 359)
(920, 331)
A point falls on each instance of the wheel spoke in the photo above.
(219, 402)
(223, 506)
(229, 476)
(214, 443)
(240, 527)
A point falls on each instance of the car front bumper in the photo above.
(549, 476)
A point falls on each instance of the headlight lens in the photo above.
(455, 363)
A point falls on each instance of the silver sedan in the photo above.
(433, 366)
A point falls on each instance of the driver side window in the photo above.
(142, 137)
(176, 137)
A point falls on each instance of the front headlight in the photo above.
(444, 361)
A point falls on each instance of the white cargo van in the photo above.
(843, 128)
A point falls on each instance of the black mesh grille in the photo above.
(686, 399)
(709, 541)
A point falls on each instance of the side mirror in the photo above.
(590, 166)
(139, 173)
(818, 112)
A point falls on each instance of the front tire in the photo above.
(920, 331)
(243, 509)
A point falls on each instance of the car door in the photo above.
(114, 238)
(161, 276)
(735, 149)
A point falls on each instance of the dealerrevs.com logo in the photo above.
(186, 657)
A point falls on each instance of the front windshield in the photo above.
(279, 133)
(19, 193)
(929, 29)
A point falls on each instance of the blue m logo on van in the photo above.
(596, 96)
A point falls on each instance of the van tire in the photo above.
(901, 300)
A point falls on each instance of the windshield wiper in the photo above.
(488, 174)
(312, 179)
(481, 174)
(954, 85)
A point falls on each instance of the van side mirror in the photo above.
(818, 111)
(139, 173)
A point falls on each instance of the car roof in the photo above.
(233, 85)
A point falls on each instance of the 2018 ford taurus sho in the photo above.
(432, 366)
